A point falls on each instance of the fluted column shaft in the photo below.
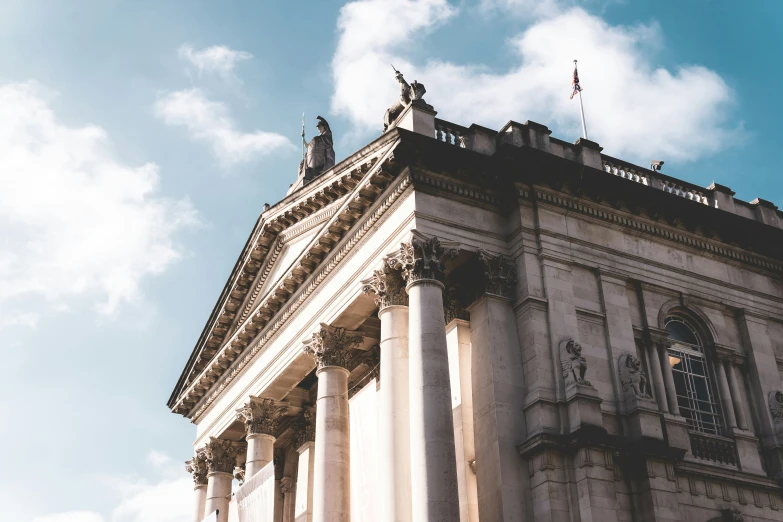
(394, 417)
(433, 462)
(331, 481)
(668, 379)
(725, 395)
(739, 408)
(657, 376)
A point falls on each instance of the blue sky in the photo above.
(140, 139)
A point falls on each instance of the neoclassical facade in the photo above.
(461, 324)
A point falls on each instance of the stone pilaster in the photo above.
(261, 417)
(394, 489)
(434, 488)
(331, 347)
(197, 467)
(498, 393)
(221, 458)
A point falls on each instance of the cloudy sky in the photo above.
(140, 139)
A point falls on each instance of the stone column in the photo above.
(725, 394)
(279, 460)
(662, 349)
(498, 393)
(288, 488)
(460, 372)
(393, 405)
(221, 457)
(261, 417)
(657, 376)
(197, 466)
(331, 349)
(434, 493)
(304, 431)
(739, 407)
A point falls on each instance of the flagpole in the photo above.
(581, 110)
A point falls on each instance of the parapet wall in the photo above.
(537, 136)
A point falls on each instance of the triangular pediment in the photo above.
(289, 241)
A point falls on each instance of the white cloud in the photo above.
(209, 122)
(217, 59)
(167, 498)
(72, 516)
(633, 108)
(74, 220)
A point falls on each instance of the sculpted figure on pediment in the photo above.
(320, 152)
(409, 93)
(573, 363)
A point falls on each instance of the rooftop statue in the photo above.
(409, 93)
(319, 156)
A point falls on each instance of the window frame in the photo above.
(701, 405)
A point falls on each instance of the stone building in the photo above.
(462, 324)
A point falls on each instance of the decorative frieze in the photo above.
(573, 363)
(388, 286)
(331, 346)
(261, 416)
(422, 258)
(221, 455)
(197, 466)
(632, 377)
(501, 272)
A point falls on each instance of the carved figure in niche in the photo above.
(632, 377)
(573, 363)
(408, 94)
(776, 406)
(320, 152)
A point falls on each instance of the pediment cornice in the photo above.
(351, 191)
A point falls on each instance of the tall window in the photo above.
(692, 376)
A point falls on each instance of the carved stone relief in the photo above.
(632, 377)
(573, 363)
(775, 401)
(501, 272)
(221, 455)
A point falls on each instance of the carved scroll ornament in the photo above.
(261, 415)
(388, 286)
(422, 258)
(197, 466)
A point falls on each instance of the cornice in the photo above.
(278, 302)
(284, 238)
(692, 241)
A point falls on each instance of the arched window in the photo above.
(693, 379)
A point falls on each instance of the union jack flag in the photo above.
(575, 84)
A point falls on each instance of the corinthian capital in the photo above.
(388, 286)
(303, 426)
(197, 466)
(221, 455)
(331, 346)
(261, 415)
(501, 274)
(422, 258)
